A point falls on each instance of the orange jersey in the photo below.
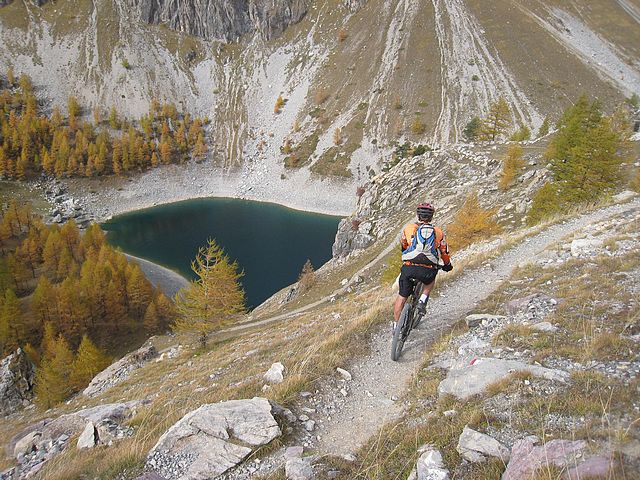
(441, 243)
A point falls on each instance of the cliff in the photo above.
(223, 20)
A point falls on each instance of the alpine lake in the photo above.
(270, 243)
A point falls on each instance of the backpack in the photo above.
(423, 248)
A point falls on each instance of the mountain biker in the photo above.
(424, 251)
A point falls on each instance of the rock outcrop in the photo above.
(119, 371)
(16, 382)
(41, 442)
(209, 441)
(473, 379)
(223, 20)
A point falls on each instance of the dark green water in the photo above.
(271, 243)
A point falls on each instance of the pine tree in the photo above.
(139, 291)
(53, 383)
(89, 361)
(211, 301)
(472, 129)
(497, 121)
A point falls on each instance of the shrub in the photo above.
(472, 223)
(360, 191)
(635, 181)
(320, 96)
(286, 147)
(307, 278)
(418, 127)
(520, 135)
(475, 78)
(544, 128)
(126, 64)
(512, 163)
(342, 35)
(355, 223)
(634, 100)
(337, 136)
(545, 203)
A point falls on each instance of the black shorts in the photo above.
(414, 272)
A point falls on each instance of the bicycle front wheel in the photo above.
(398, 334)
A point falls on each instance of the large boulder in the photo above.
(473, 379)
(569, 455)
(121, 370)
(16, 382)
(209, 441)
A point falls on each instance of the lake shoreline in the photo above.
(104, 198)
(169, 281)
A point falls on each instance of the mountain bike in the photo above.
(409, 319)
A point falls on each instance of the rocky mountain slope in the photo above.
(368, 68)
(512, 337)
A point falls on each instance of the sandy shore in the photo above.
(168, 280)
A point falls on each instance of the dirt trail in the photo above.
(377, 381)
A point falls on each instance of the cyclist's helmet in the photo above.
(425, 211)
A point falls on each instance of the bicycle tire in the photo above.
(399, 335)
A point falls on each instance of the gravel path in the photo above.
(377, 381)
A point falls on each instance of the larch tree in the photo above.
(497, 121)
(214, 299)
(89, 361)
(53, 382)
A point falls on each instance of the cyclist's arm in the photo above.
(443, 247)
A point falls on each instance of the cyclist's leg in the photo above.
(405, 284)
(398, 306)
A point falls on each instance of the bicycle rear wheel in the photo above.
(400, 334)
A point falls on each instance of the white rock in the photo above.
(624, 196)
(545, 327)
(474, 446)
(586, 246)
(344, 374)
(429, 466)
(297, 468)
(476, 319)
(275, 373)
(472, 379)
(87, 438)
(26, 444)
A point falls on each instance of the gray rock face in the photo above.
(473, 379)
(120, 370)
(16, 382)
(429, 466)
(223, 20)
(474, 446)
(212, 439)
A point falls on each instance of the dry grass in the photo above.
(315, 344)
